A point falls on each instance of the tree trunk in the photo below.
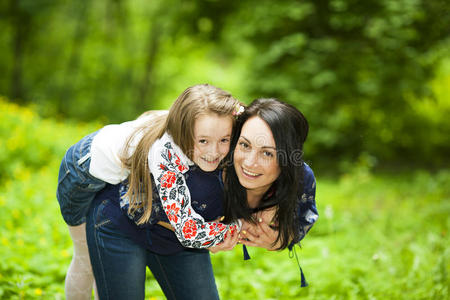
(21, 28)
(73, 65)
(145, 90)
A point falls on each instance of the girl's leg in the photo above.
(75, 191)
(118, 263)
(184, 275)
(79, 278)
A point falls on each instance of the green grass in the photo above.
(379, 236)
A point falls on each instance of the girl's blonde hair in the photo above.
(179, 123)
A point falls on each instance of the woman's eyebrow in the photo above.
(248, 141)
(270, 147)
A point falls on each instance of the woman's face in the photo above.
(211, 140)
(255, 158)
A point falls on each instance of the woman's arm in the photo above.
(263, 236)
(168, 164)
(307, 214)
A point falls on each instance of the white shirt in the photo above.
(107, 148)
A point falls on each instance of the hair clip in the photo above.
(238, 110)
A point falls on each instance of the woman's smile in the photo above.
(249, 174)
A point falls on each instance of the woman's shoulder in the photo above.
(309, 180)
(308, 171)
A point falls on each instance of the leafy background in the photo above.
(372, 78)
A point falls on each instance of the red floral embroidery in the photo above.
(189, 229)
(172, 211)
(181, 167)
(216, 228)
(206, 243)
(168, 179)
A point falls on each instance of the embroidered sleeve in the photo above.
(190, 228)
(307, 212)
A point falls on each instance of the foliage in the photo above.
(360, 70)
(103, 58)
(34, 240)
(378, 236)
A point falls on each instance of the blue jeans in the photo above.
(119, 264)
(76, 187)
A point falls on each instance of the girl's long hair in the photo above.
(289, 128)
(179, 123)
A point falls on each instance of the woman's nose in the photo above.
(250, 159)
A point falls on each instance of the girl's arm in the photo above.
(168, 164)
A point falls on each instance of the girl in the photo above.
(118, 152)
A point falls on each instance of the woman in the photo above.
(259, 164)
(268, 171)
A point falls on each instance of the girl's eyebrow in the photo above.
(248, 141)
(207, 136)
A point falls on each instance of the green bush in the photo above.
(378, 236)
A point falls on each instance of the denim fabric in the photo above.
(119, 263)
(76, 187)
(185, 275)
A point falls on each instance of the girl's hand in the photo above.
(228, 243)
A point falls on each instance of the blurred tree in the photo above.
(352, 66)
(80, 12)
(19, 17)
(358, 69)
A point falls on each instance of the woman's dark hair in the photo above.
(289, 129)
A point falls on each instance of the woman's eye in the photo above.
(225, 141)
(268, 154)
(244, 145)
(203, 141)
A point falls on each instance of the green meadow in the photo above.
(380, 235)
(372, 77)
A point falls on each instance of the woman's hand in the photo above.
(260, 234)
(228, 243)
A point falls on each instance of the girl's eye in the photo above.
(203, 141)
(225, 141)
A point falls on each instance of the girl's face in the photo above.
(255, 157)
(211, 140)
